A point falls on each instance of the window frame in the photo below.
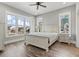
(6, 25)
(62, 14)
(19, 16)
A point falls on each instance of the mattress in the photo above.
(50, 36)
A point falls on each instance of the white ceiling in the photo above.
(51, 6)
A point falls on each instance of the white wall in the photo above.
(3, 9)
(77, 25)
(51, 20)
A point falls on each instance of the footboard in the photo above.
(39, 41)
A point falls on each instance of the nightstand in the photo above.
(65, 37)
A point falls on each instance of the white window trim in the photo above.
(17, 15)
(61, 14)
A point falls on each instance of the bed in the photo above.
(41, 39)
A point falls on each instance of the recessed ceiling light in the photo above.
(64, 2)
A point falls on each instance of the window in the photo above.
(27, 26)
(21, 25)
(65, 23)
(16, 24)
(11, 22)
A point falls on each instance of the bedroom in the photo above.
(49, 30)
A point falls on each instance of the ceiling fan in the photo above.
(38, 4)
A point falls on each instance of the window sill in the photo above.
(16, 35)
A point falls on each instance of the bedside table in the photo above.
(65, 37)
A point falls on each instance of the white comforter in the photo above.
(45, 34)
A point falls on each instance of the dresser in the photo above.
(65, 37)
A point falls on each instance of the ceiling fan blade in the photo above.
(43, 6)
(37, 7)
(32, 4)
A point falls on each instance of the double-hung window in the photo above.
(27, 26)
(11, 24)
(16, 24)
(20, 25)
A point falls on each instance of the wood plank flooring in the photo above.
(56, 50)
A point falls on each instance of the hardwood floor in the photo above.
(56, 50)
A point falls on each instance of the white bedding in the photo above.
(42, 39)
(44, 34)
